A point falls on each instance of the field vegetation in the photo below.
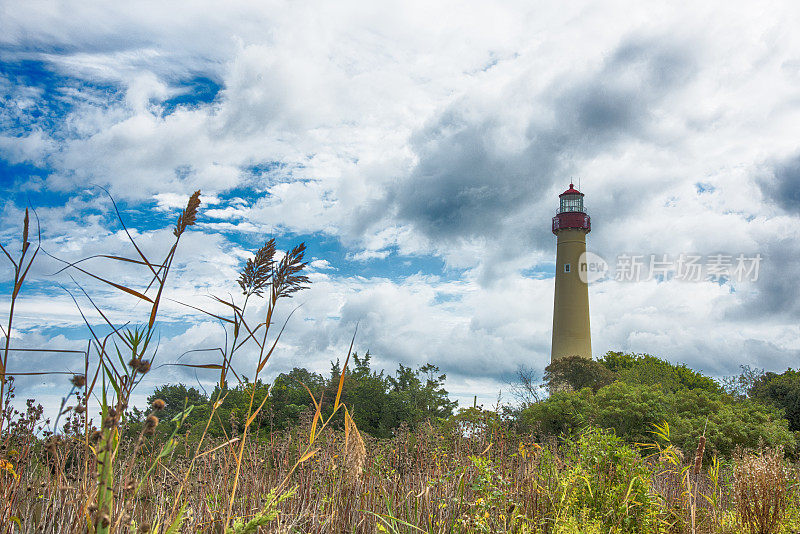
(629, 443)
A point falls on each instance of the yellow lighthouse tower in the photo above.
(571, 335)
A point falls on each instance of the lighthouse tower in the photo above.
(571, 308)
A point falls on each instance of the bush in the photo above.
(644, 369)
(631, 410)
(782, 391)
(607, 481)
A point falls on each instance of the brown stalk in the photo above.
(283, 281)
(20, 272)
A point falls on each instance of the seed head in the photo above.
(150, 424)
(158, 404)
(109, 422)
(698, 458)
(139, 365)
(79, 381)
(188, 217)
(287, 278)
(258, 271)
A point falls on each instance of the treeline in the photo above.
(627, 393)
(379, 403)
(631, 393)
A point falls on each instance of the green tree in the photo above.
(575, 373)
(782, 391)
(379, 404)
(630, 410)
(562, 413)
(645, 369)
(289, 398)
(176, 396)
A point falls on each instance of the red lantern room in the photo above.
(571, 212)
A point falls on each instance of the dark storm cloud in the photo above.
(467, 185)
(783, 186)
(777, 292)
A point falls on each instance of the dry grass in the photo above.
(761, 490)
(427, 478)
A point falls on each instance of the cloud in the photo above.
(419, 151)
(783, 187)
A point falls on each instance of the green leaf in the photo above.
(175, 527)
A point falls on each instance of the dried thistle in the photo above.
(188, 216)
(158, 404)
(287, 279)
(258, 271)
(109, 422)
(139, 365)
(79, 381)
(150, 424)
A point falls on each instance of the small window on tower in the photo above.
(566, 267)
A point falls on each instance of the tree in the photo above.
(289, 398)
(525, 386)
(645, 369)
(741, 384)
(176, 397)
(379, 403)
(782, 391)
(575, 373)
(630, 410)
(426, 400)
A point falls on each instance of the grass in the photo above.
(433, 479)
(91, 472)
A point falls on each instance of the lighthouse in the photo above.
(571, 335)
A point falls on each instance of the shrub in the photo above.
(630, 410)
(607, 481)
(645, 369)
(780, 390)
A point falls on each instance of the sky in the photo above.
(418, 149)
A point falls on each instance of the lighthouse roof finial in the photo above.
(571, 191)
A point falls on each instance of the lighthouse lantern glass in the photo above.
(571, 203)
